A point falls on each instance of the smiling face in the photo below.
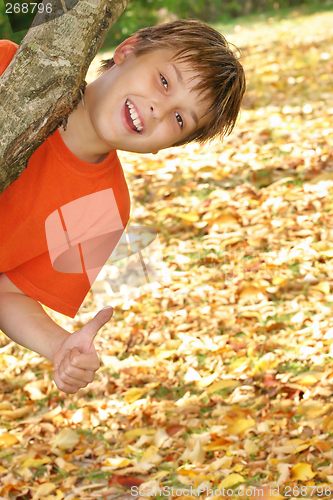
(144, 103)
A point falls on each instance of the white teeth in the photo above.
(134, 115)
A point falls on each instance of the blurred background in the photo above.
(141, 13)
(233, 359)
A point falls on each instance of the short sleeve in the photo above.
(7, 52)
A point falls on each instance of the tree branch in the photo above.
(44, 81)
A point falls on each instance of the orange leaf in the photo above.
(126, 481)
(173, 429)
(322, 446)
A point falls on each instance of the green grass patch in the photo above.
(295, 367)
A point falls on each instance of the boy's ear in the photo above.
(124, 49)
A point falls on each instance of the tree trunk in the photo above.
(46, 77)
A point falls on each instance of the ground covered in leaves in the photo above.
(221, 380)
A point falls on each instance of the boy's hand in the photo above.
(76, 361)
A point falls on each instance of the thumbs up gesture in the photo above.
(76, 361)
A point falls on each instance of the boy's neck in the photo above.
(78, 139)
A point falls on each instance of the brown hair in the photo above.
(222, 79)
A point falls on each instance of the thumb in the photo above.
(90, 329)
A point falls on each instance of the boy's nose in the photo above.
(160, 109)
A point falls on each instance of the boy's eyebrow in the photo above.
(182, 83)
(178, 74)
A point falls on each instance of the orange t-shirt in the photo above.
(56, 220)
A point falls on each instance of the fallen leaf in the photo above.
(7, 439)
(133, 433)
(302, 472)
(66, 439)
(64, 465)
(134, 394)
(43, 490)
(116, 462)
(206, 381)
(126, 481)
(241, 425)
(250, 447)
(194, 452)
(222, 384)
(231, 480)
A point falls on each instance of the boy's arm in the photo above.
(74, 357)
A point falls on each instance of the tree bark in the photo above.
(46, 78)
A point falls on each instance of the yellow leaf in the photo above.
(163, 354)
(134, 394)
(225, 219)
(231, 241)
(133, 433)
(326, 176)
(280, 280)
(165, 211)
(117, 462)
(15, 414)
(323, 286)
(231, 480)
(59, 496)
(241, 425)
(66, 439)
(206, 381)
(151, 451)
(222, 384)
(189, 216)
(250, 292)
(327, 253)
(43, 490)
(251, 314)
(217, 445)
(313, 409)
(239, 365)
(7, 440)
(206, 168)
(267, 362)
(238, 468)
(308, 380)
(298, 444)
(302, 472)
(36, 462)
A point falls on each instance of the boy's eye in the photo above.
(179, 119)
(164, 82)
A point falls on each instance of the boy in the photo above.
(165, 86)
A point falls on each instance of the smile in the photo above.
(133, 117)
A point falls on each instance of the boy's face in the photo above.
(144, 103)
